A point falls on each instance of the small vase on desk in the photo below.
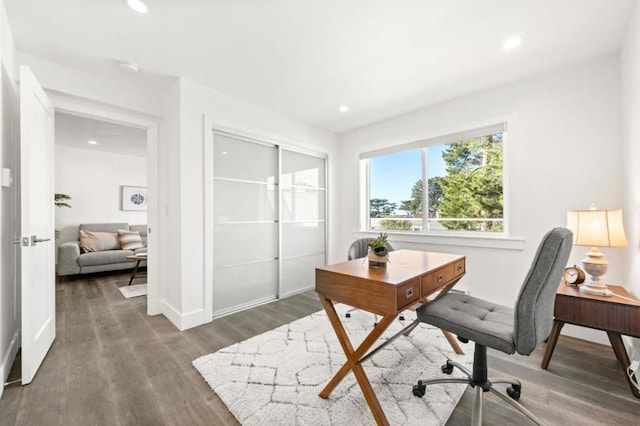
(378, 257)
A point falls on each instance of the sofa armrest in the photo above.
(68, 258)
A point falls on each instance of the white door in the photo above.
(245, 243)
(303, 221)
(37, 224)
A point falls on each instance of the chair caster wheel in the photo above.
(419, 390)
(401, 317)
(348, 315)
(514, 392)
(447, 368)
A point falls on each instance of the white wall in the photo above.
(185, 203)
(631, 155)
(93, 180)
(9, 292)
(123, 92)
(563, 152)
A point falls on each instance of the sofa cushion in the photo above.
(140, 250)
(105, 257)
(98, 241)
(129, 240)
(103, 227)
(142, 229)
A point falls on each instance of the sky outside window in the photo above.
(393, 176)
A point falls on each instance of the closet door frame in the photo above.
(212, 126)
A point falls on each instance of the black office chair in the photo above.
(499, 327)
(359, 249)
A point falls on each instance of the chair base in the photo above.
(480, 387)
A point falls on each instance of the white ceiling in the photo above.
(304, 58)
(75, 132)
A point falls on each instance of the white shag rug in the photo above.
(275, 378)
(135, 290)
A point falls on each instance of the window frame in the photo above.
(424, 144)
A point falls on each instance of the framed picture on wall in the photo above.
(134, 198)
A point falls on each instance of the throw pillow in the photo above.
(98, 241)
(129, 240)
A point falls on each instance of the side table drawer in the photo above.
(620, 318)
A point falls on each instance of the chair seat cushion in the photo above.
(483, 322)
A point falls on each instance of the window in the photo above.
(449, 183)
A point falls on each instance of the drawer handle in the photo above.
(440, 278)
(459, 268)
(408, 293)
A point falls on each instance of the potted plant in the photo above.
(60, 200)
(378, 252)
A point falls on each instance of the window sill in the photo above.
(479, 241)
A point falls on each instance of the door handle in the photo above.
(35, 240)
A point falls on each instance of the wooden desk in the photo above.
(410, 277)
(617, 314)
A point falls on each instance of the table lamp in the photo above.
(596, 228)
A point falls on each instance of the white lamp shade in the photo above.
(597, 228)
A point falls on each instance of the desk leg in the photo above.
(135, 271)
(453, 342)
(353, 359)
(450, 338)
(551, 342)
(621, 353)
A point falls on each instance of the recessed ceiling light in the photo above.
(512, 42)
(92, 142)
(344, 108)
(138, 5)
(129, 66)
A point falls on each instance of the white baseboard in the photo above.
(8, 358)
(633, 347)
(293, 293)
(584, 333)
(183, 321)
(244, 306)
(598, 336)
(194, 319)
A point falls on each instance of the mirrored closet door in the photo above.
(269, 222)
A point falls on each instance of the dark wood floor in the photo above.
(111, 364)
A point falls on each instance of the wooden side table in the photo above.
(618, 314)
(138, 258)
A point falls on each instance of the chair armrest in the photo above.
(68, 258)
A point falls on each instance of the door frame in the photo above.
(114, 114)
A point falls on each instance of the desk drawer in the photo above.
(408, 294)
(440, 277)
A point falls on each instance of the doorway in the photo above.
(80, 110)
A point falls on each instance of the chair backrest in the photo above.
(534, 309)
(360, 247)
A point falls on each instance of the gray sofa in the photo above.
(71, 261)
